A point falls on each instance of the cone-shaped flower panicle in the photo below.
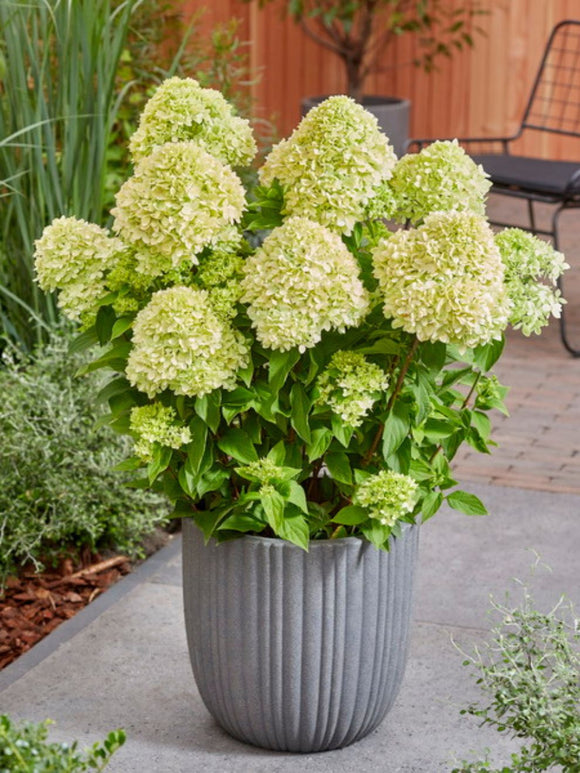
(443, 281)
(332, 164)
(179, 343)
(441, 178)
(300, 282)
(179, 201)
(532, 267)
(387, 496)
(181, 110)
(72, 256)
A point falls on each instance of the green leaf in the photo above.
(104, 323)
(84, 341)
(434, 355)
(281, 363)
(242, 523)
(273, 504)
(211, 481)
(342, 432)
(237, 444)
(396, 429)
(128, 465)
(400, 461)
(114, 358)
(486, 355)
(338, 465)
(482, 423)
(196, 449)
(208, 520)
(115, 387)
(431, 504)
(160, 462)
(300, 405)
(466, 503)
(121, 326)
(295, 530)
(320, 440)
(351, 515)
(298, 496)
(376, 533)
(208, 408)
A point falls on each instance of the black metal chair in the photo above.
(554, 107)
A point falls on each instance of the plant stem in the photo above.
(396, 391)
(464, 405)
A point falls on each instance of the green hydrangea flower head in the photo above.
(532, 267)
(300, 282)
(332, 164)
(72, 256)
(179, 201)
(181, 110)
(179, 343)
(388, 496)
(441, 178)
(350, 386)
(156, 423)
(443, 281)
(263, 471)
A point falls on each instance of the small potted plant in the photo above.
(361, 32)
(297, 379)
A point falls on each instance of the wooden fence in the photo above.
(480, 92)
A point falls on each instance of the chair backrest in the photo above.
(554, 104)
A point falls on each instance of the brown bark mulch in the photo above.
(32, 605)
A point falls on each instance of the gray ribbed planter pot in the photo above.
(297, 651)
(392, 113)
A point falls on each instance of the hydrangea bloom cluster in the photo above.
(444, 280)
(180, 200)
(156, 423)
(441, 178)
(532, 267)
(72, 256)
(302, 281)
(387, 496)
(351, 385)
(179, 343)
(181, 110)
(332, 164)
(263, 471)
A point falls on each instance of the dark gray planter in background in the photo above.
(298, 651)
(393, 115)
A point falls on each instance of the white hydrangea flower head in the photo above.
(444, 281)
(156, 423)
(387, 496)
(332, 165)
(351, 385)
(441, 178)
(179, 201)
(179, 343)
(532, 267)
(181, 110)
(72, 256)
(300, 282)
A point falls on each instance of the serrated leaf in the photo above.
(376, 533)
(433, 355)
(128, 465)
(466, 503)
(431, 504)
(241, 523)
(115, 387)
(295, 530)
(341, 431)
(298, 496)
(280, 365)
(121, 326)
(338, 465)
(196, 449)
(208, 520)
(486, 355)
(351, 515)
(83, 341)
(160, 461)
(208, 408)
(104, 322)
(273, 504)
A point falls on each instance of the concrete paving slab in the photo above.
(129, 667)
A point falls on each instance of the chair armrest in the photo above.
(414, 145)
(573, 184)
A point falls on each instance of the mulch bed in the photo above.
(32, 605)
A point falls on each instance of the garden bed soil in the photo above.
(33, 604)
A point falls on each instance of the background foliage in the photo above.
(57, 486)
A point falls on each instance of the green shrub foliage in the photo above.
(57, 486)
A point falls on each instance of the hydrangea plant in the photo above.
(287, 364)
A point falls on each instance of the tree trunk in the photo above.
(354, 79)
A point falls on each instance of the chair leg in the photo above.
(563, 331)
(531, 216)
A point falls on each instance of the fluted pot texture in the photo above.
(297, 651)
